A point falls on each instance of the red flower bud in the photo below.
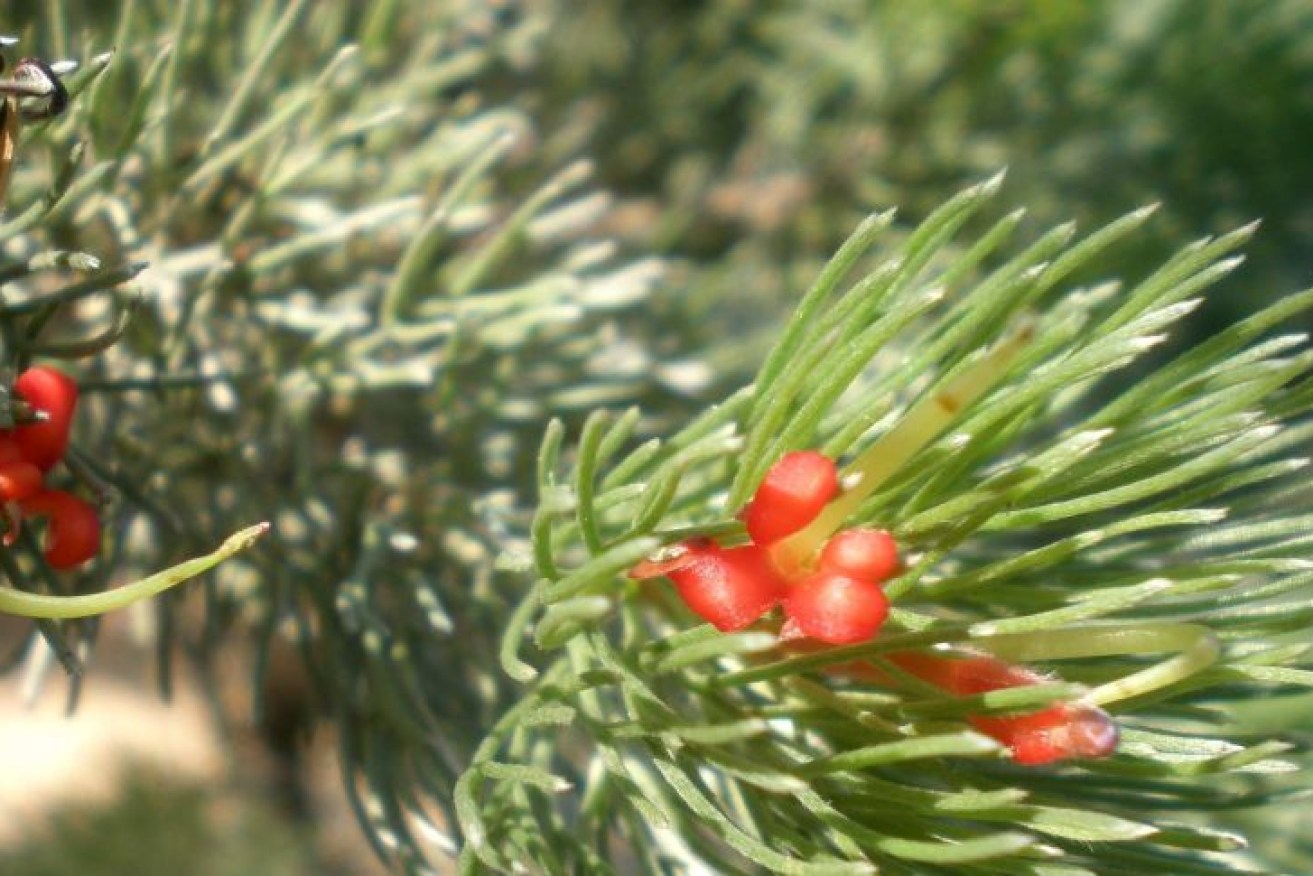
(966, 676)
(1053, 734)
(1059, 732)
(835, 608)
(72, 527)
(730, 587)
(55, 394)
(790, 496)
(865, 554)
(19, 480)
(9, 449)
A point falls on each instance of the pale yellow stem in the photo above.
(918, 427)
(1196, 649)
(40, 605)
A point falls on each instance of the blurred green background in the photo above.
(751, 137)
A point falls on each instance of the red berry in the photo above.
(19, 480)
(791, 495)
(865, 554)
(837, 609)
(72, 527)
(55, 394)
(730, 587)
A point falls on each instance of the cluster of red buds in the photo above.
(28, 452)
(839, 602)
(837, 599)
(31, 449)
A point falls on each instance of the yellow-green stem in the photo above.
(40, 605)
(921, 425)
(1196, 646)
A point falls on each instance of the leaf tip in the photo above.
(994, 183)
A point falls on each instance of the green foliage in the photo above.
(767, 129)
(342, 267)
(364, 292)
(1149, 540)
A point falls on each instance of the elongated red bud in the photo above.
(55, 394)
(865, 554)
(730, 587)
(19, 480)
(836, 609)
(1058, 733)
(790, 496)
(72, 527)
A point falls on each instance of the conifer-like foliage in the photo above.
(304, 274)
(1142, 538)
(352, 270)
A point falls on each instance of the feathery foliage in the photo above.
(1146, 544)
(356, 294)
(337, 265)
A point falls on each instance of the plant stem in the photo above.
(879, 462)
(40, 605)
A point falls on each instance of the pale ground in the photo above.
(49, 760)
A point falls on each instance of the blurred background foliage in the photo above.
(374, 274)
(762, 131)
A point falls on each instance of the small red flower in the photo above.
(1059, 732)
(55, 394)
(790, 496)
(72, 527)
(840, 602)
(834, 608)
